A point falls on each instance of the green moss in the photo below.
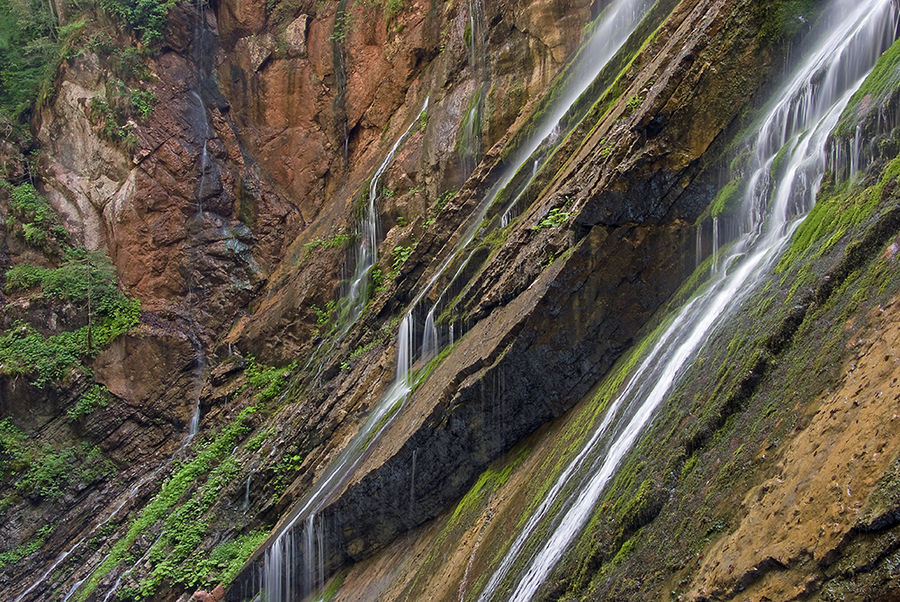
(209, 466)
(268, 381)
(488, 482)
(622, 554)
(882, 81)
(784, 19)
(26, 549)
(728, 199)
(688, 466)
(835, 213)
(331, 592)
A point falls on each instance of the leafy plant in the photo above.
(146, 18)
(290, 463)
(442, 200)
(633, 103)
(268, 381)
(342, 24)
(87, 279)
(28, 548)
(377, 278)
(400, 255)
(208, 467)
(555, 218)
(32, 218)
(96, 397)
(28, 47)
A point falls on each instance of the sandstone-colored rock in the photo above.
(295, 36)
(258, 49)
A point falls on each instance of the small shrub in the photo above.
(146, 18)
(555, 218)
(95, 398)
(268, 381)
(28, 548)
(400, 255)
(32, 217)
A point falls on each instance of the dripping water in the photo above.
(281, 577)
(810, 104)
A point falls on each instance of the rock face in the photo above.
(233, 211)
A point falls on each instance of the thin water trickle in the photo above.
(412, 480)
(281, 579)
(40, 580)
(357, 288)
(73, 589)
(715, 244)
(616, 24)
(810, 104)
(698, 245)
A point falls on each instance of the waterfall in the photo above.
(294, 562)
(201, 124)
(286, 572)
(246, 504)
(715, 243)
(429, 336)
(357, 292)
(469, 146)
(801, 116)
(615, 25)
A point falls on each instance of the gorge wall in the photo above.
(219, 370)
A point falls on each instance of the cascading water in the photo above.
(802, 117)
(615, 25)
(469, 146)
(357, 287)
(292, 564)
(300, 541)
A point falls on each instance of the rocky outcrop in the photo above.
(230, 215)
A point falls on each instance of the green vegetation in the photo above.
(117, 110)
(362, 349)
(284, 471)
(337, 240)
(342, 25)
(26, 549)
(32, 218)
(555, 218)
(727, 200)
(14, 448)
(28, 50)
(33, 43)
(268, 381)
(85, 279)
(146, 18)
(377, 278)
(42, 472)
(784, 19)
(883, 79)
(400, 255)
(181, 510)
(836, 212)
(442, 200)
(51, 471)
(633, 103)
(96, 397)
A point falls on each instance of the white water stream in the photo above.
(357, 292)
(282, 577)
(802, 115)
